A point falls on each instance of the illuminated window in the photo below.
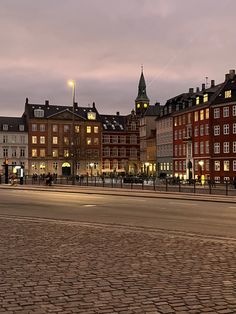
(217, 165)
(145, 105)
(196, 116)
(91, 115)
(138, 105)
(207, 113)
(89, 129)
(66, 153)
(96, 129)
(66, 140)
(197, 100)
(226, 165)
(228, 94)
(201, 114)
(76, 128)
(42, 139)
(205, 98)
(88, 141)
(55, 140)
(34, 139)
(42, 152)
(55, 153)
(34, 152)
(96, 141)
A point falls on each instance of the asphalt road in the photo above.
(208, 218)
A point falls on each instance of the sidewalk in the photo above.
(125, 192)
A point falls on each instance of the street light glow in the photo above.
(71, 83)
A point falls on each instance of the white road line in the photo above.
(186, 204)
(89, 205)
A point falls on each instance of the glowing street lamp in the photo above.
(72, 84)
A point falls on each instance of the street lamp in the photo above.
(72, 84)
(91, 166)
(201, 163)
(147, 167)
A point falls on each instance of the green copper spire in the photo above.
(142, 95)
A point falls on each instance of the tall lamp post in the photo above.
(72, 84)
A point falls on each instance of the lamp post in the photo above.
(91, 166)
(72, 84)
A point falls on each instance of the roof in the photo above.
(152, 110)
(13, 124)
(113, 122)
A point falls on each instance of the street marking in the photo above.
(178, 203)
(233, 207)
(89, 205)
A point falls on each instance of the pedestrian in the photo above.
(234, 182)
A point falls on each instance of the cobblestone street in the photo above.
(65, 267)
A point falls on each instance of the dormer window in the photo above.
(38, 113)
(198, 100)
(228, 94)
(5, 127)
(21, 127)
(205, 98)
(91, 115)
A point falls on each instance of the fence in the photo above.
(226, 188)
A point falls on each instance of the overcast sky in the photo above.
(101, 44)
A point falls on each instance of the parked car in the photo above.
(133, 179)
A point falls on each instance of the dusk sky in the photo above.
(101, 44)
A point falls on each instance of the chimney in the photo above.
(212, 83)
(117, 113)
(191, 90)
(231, 73)
(93, 104)
(26, 101)
(197, 90)
(75, 105)
(46, 102)
(203, 86)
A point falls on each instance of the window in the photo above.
(55, 153)
(216, 148)
(55, 165)
(207, 113)
(66, 153)
(77, 128)
(226, 147)
(234, 147)
(197, 100)
(133, 139)
(95, 129)
(42, 127)
(122, 152)
(66, 128)
(196, 116)
(21, 127)
(5, 152)
(234, 128)
(226, 129)
(228, 94)
(88, 141)
(133, 152)
(176, 121)
(34, 139)
(217, 165)
(225, 112)
(216, 130)
(13, 139)
(5, 138)
(216, 113)
(66, 140)
(114, 152)
(180, 134)
(54, 128)
(133, 126)
(42, 139)
(38, 113)
(106, 152)
(91, 115)
(206, 129)
(226, 165)
(5, 127)
(176, 134)
(22, 152)
(234, 165)
(196, 165)
(88, 129)
(107, 164)
(180, 120)
(55, 140)
(207, 147)
(202, 130)
(196, 148)
(122, 139)
(34, 153)
(106, 139)
(34, 127)
(114, 139)
(201, 147)
(205, 98)
(207, 165)
(196, 131)
(234, 110)
(201, 114)
(42, 152)
(96, 141)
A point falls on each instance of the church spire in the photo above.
(142, 100)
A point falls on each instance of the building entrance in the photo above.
(66, 169)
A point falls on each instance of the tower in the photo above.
(142, 100)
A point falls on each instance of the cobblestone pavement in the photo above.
(65, 267)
